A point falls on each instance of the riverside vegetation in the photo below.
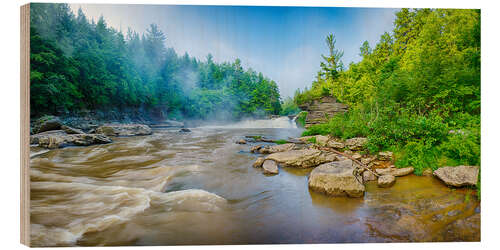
(416, 93)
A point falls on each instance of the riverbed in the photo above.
(173, 188)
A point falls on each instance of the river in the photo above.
(173, 188)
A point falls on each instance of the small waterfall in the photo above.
(280, 122)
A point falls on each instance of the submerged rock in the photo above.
(394, 171)
(386, 180)
(304, 158)
(124, 129)
(458, 176)
(258, 163)
(270, 167)
(336, 179)
(467, 229)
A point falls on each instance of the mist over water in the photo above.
(280, 122)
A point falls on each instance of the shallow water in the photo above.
(125, 193)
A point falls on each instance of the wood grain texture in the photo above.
(25, 124)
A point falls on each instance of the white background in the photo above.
(490, 22)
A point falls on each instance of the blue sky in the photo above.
(284, 43)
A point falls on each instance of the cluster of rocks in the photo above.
(50, 132)
(344, 172)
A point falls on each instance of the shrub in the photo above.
(301, 118)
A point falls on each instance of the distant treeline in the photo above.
(77, 64)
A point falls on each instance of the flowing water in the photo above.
(174, 188)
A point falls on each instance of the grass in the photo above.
(281, 141)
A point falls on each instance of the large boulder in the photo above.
(394, 171)
(47, 123)
(336, 179)
(124, 129)
(58, 139)
(458, 176)
(356, 143)
(276, 148)
(270, 167)
(303, 158)
(386, 180)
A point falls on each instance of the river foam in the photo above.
(64, 208)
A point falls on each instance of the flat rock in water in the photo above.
(395, 171)
(124, 129)
(58, 139)
(386, 180)
(304, 158)
(458, 176)
(336, 179)
(276, 148)
(270, 167)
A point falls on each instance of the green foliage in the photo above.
(347, 125)
(417, 92)
(312, 140)
(301, 118)
(288, 107)
(281, 141)
(77, 64)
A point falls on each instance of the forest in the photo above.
(78, 64)
(417, 92)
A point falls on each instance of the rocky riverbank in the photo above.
(341, 168)
(51, 132)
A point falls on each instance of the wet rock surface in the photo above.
(395, 171)
(336, 179)
(58, 139)
(458, 176)
(420, 209)
(276, 148)
(304, 158)
(385, 181)
(270, 167)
